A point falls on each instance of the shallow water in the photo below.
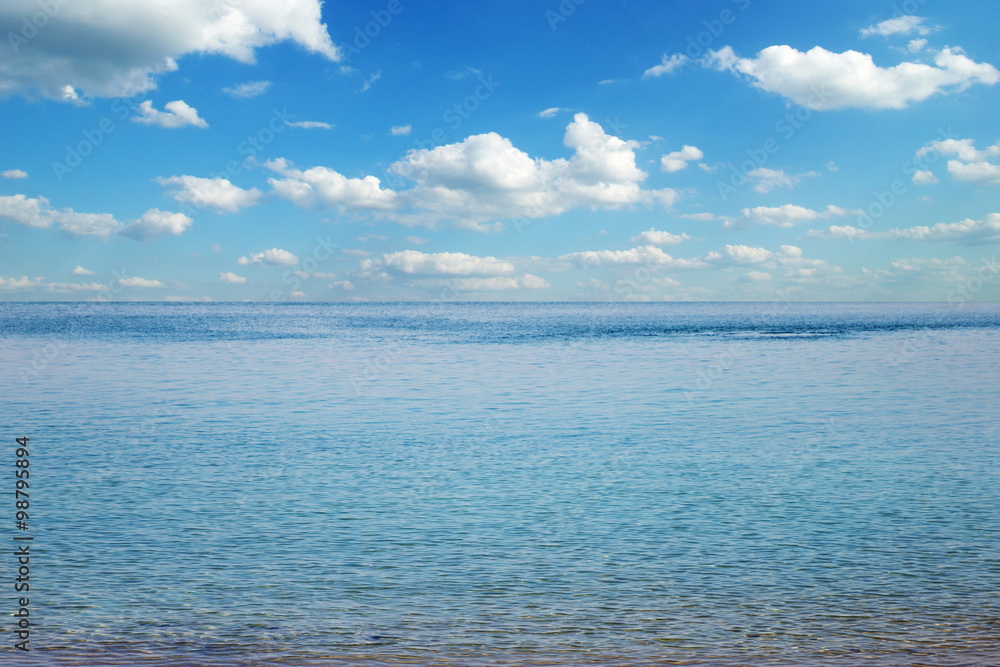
(694, 484)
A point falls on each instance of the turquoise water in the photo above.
(533, 484)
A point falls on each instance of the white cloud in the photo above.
(965, 231)
(484, 177)
(229, 277)
(823, 80)
(416, 240)
(765, 179)
(139, 282)
(667, 65)
(983, 173)
(740, 254)
(154, 223)
(971, 165)
(367, 83)
(786, 216)
(703, 217)
(272, 257)
(414, 262)
(648, 254)
(178, 114)
(303, 188)
(15, 173)
(678, 159)
(550, 112)
(916, 45)
(963, 149)
(924, 177)
(215, 193)
(901, 25)
(463, 272)
(80, 271)
(248, 89)
(309, 125)
(37, 213)
(400, 130)
(24, 282)
(758, 276)
(659, 238)
(115, 48)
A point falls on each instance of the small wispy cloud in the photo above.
(309, 125)
(248, 89)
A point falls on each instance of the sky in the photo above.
(406, 150)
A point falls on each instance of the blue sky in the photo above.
(405, 150)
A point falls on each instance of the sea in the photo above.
(503, 483)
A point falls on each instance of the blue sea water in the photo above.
(517, 484)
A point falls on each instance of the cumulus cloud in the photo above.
(678, 159)
(136, 281)
(984, 173)
(485, 177)
(414, 262)
(966, 231)
(214, 193)
(139, 40)
(786, 216)
(667, 65)
(970, 164)
(15, 173)
(400, 130)
(304, 188)
(25, 283)
(155, 223)
(924, 177)
(80, 271)
(648, 254)
(272, 257)
(655, 237)
(37, 213)
(454, 270)
(178, 114)
(822, 80)
(901, 25)
(248, 89)
(232, 278)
